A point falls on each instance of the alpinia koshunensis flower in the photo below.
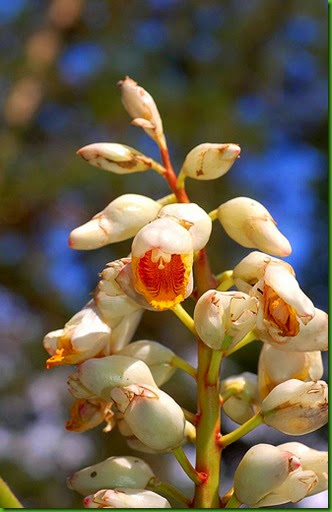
(120, 220)
(244, 402)
(156, 356)
(295, 407)
(97, 377)
(194, 218)
(162, 258)
(313, 460)
(276, 366)
(221, 314)
(86, 335)
(152, 415)
(125, 498)
(142, 108)
(86, 414)
(117, 158)
(210, 161)
(250, 224)
(268, 475)
(113, 472)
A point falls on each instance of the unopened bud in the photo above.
(193, 218)
(87, 414)
(297, 486)
(120, 220)
(112, 472)
(125, 330)
(295, 407)
(116, 158)
(142, 109)
(244, 403)
(250, 224)
(306, 366)
(100, 376)
(221, 314)
(156, 356)
(210, 161)
(125, 498)
(153, 416)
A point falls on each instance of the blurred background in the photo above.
(254, 73)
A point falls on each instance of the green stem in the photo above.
(169, 491)
(232, 389)
(251, 336)
(241, 431)
(7, 498)
(225, 280)
(184, 462)
(178, 362)
(171, 198)
(233, 502)
(184, 317)
(213, 372)
(214, 214)
(190, 416)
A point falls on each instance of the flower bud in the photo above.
(244, 403)
(86, 414)
(311, 337)
(162, 258)
(100, 376)
(306, 366)
(156, 356)
(192, 217)
(250, 224)
(310, 459)
(83, 337)
(112, 472)
(153, 416)
(251, 269)
(221, 314)
(142, 108)
(125, 330)
(120, 220)
(125, 498)
(261, 471)
(295, 407)
(210, 161)
(116, 158)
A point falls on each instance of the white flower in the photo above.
(113, 472)
(162, 258)
(152, 415)
(120, 220)
(295, 407)
(221, 314)
(192, 217)
(97, 377)
(142, 108)
(244, 403)
(250, 224)
(125, 498)
(210, 161)
(156, 356)
(117, 158)
(306, 366)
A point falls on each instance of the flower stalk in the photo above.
(187, 467)
(241, 431)
(169, 491)
(7, 497)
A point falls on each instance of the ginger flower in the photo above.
(162, 258)
(89, 413)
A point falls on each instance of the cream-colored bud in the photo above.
(156, 356)
(116, 158)
(244, 403)
(295, 407)
(125, 330)
(120, 220)
(250, 224)
(311, 337)
(252, 267)
(210, 161)
(221, 314)
(100, 376)
(142, 109)
(125, 498)
(310, 459)
(306, 366)
(261, 471)
(153, 416)
(84, 336)
(192, 217)
(112, 472)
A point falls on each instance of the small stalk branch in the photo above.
(214, 369)
(251, 336)
(184, 462)
(169, 491)
(233, 502)
(214, 214)
(190, 416)
(7, 497)
(185, 318)
(225, 281)
(244, 429)
(178, 362)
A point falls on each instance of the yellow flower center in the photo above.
(277, 311)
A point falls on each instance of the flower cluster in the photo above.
(119, 383)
